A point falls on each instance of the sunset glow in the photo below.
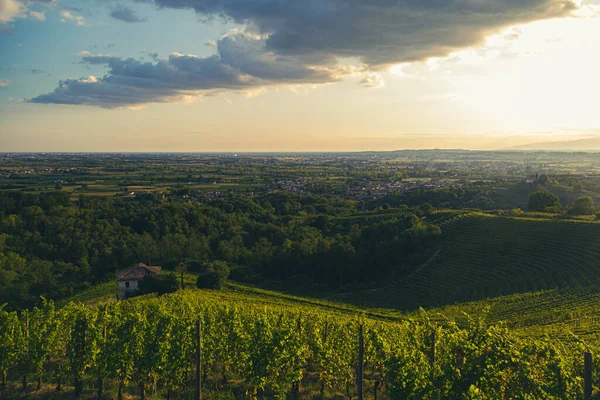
(86, 76)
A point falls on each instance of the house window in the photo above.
(126, 284)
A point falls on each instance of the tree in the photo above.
(161, 284)
(426, 208)
(221, 268)
(578, 188)
(542, 200)
(213, 276)
(209, 280)
(583, 206)
(182, 268)
(145, 248)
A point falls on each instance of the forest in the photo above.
(53, 247)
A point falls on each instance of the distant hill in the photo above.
(590, 144)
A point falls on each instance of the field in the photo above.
(561, 313)
(261, 344)
(484, 256)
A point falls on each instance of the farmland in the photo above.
(483, 250)
(277, 346)
(484, 256)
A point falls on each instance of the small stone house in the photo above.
(128, 278)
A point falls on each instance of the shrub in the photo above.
(161, 284)
(209, 280)
(543, 200)
(583, 206)
(221, 268)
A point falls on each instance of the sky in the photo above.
(296, 75)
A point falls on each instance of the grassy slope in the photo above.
(539, 276)
(235, 293)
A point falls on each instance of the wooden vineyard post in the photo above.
(78, 381)
(26, 347)
(432, 359)
(100, 377)
(587, 376)
(59, 379)
(361, 357)
(322, 389)
(296, 385)
(197, 394)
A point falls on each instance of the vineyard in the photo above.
(485, 256)
(517, 302)
(147, 348)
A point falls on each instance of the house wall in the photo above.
(125, 292)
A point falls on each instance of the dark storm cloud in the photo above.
(126, 14)
(379, 32)
(240, 64)
(299, 42)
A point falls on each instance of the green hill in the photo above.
(482, 256)
(538, 274)
(556, 312)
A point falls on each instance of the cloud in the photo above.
(379, 33)
(126, 14)
(4, 83)
(14, 9)
(11, 9)
(241, 63)
(372, 80)
(40, 16)
(67, 14)
(36, 71)
(291, 42)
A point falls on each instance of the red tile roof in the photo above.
(137, 272)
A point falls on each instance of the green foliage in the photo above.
(83, 342)
(49, 242)
(159, 284)
(480, 362)
(42, 338)
(543, 200)
(484, 256)
(426, 208)
(221, 268)
(12, 341)
(270, 346)
(209, 279)
(583, 206)
(182, 268)
(543, 180)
